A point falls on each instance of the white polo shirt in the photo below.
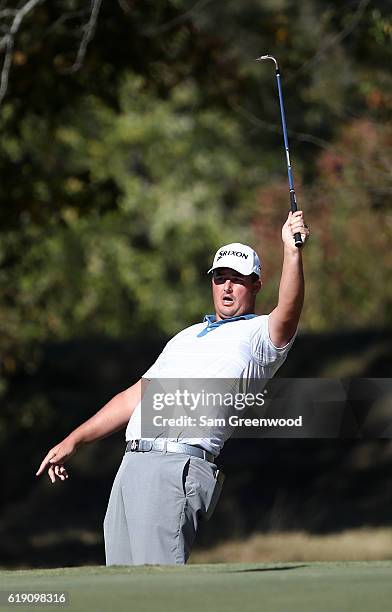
(236, 348)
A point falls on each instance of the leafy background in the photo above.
(118, 182)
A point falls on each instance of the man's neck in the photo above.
(243, 314)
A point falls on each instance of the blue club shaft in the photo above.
(285, 138)
(293, 199)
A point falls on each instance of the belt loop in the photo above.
(165, 446)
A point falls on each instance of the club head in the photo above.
(267, 57)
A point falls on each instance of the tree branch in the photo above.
(7, 41)
(125, 6)
(88, 33)
(9, 30)
(310, 138)
(164, 27)
(332, 41)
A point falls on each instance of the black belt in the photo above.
(143, 446)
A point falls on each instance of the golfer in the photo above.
(164, 486)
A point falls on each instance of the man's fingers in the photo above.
(45, 462)
(53, 459)
(53, 462)
(51, 474)
(54, 471)
(294, 217)
(53, 456)
(61, 472)
(297, 222)
(39, 471)
(299, 227)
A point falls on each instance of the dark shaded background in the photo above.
(319, 486)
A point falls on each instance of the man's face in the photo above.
(234, 294)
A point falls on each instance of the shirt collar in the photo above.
(212, 323)
(211, 318)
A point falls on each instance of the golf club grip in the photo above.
(293, 204)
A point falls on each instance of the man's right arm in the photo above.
(109, 419)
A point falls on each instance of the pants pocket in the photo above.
(203, 486)
(216, 492)
(184, 476)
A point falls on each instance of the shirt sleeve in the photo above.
(264, 352)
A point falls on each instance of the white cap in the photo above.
(239, 257)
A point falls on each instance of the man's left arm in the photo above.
(283, 320)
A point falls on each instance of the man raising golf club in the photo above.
(165, 485)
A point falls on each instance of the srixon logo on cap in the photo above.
(236, 253)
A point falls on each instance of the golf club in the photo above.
(293, 200)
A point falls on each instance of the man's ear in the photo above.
(256, 287)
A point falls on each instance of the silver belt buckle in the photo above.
(134, 445)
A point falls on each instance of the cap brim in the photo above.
(237, 269)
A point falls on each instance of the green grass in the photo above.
(283, 587)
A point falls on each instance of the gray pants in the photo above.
(155, 505)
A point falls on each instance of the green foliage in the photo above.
(353, 229)
(177, 176)
(120, 181)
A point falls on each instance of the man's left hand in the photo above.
(295, 223)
